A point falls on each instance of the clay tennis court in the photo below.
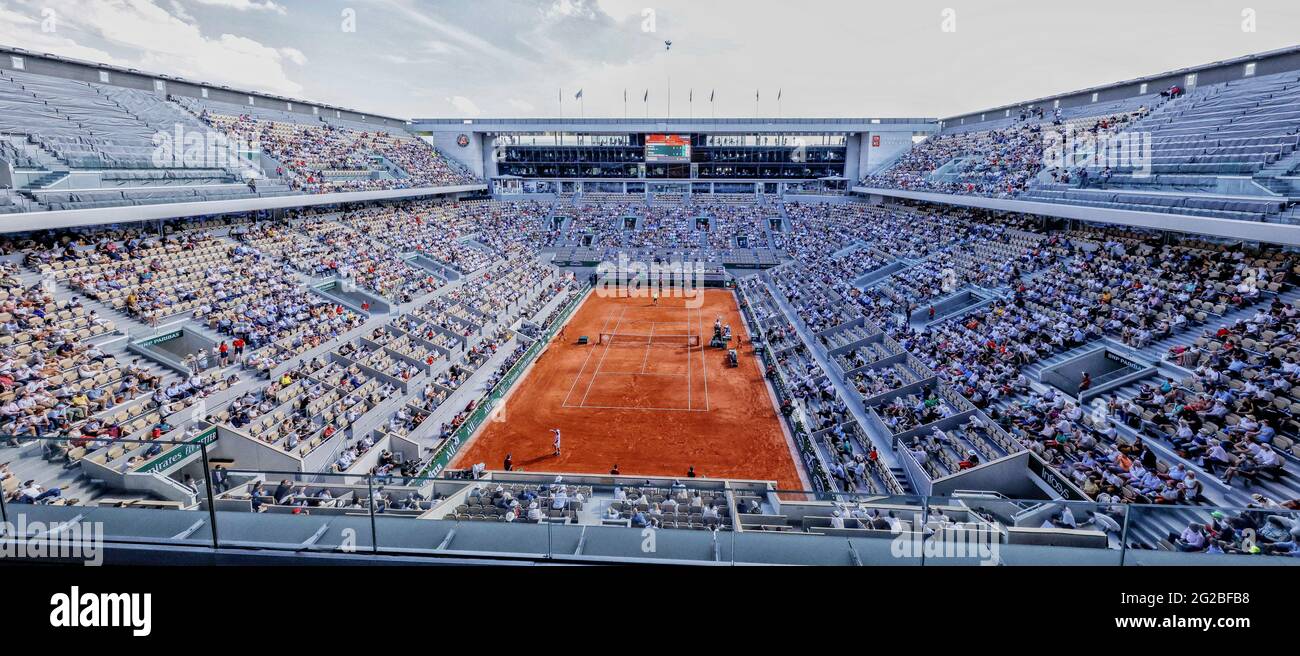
(647, 393)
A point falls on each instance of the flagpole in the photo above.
(561, 99)
(668, 47)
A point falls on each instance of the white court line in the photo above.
(646, 360)
(637, 407)
(604, 353)
(583, 368)
(704, 362)
(689, 364)
(639, 373)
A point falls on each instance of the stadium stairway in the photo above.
(1033, 370)
(28, 460)
(851, 398)
(1285, 486)
(1152, 529)
(1156, 350)
(1268, 176)
(49, 179)
(33, 154)
(901, 477)
(1288, 484)
(1200, 156)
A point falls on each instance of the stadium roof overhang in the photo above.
(1254, 231)
(30, 221)
(693, 125)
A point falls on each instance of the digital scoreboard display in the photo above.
(667, 148)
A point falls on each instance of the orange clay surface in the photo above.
(652, 409)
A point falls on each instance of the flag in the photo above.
(690, 97)
(755, 95)
(711, 94)
(778, 94)
(625, 95)
(578, 96)
(647, 96)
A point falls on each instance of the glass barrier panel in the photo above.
(988, 529)
(295, 510)
(78, 494)
(74, 494)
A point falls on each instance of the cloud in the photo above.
(569, 8)
(464, 106)
(437, 47)
(245, 5)
(438, 51)
(466, 39)
(24, 31)
(15, 18)
(142, 34)
(180, 12)
(510, 56)
(294, 55)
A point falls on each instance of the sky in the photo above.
(528, 58)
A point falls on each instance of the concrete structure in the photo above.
(1264, 63)
(868, 144)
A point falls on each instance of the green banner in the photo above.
(158, 339)
(173, 456)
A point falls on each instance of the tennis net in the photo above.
(635, 339)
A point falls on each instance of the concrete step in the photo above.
(903, 480)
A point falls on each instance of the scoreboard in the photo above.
(667, 148)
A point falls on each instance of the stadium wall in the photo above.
(878, 149)
(472, 155)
